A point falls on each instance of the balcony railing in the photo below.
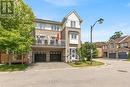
(55, 43)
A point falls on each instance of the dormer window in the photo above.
(73, 24)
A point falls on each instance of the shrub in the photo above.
(85, 51)
(129, 56)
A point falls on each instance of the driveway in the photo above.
(48, 65)
(116, 73)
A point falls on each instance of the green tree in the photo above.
(15, 30)
(79, 53)
(129, 56)
(116, 35)
(85, 51)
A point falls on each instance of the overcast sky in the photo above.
(116, 14)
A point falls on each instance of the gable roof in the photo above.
(47, 21)
(119, 40)
(124, 39)
(100, 44)
(72, 13)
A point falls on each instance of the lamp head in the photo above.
(100, 21)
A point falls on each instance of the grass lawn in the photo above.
(128, 60)
(85, 64)
(13, 67)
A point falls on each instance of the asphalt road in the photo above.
(114, 74)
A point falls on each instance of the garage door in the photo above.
(122, 55)
(112, 55)
(40, 57)
(55, 56)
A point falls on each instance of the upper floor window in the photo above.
(55, 27)
(73, 24)
(40, 39)
(112, 45)
(124, 45)
(40, 26)
(104, 47)
(73, 36)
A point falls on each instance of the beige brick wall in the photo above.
(100, 52)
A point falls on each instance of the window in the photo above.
(58, 28)
(40, 26)
(124, 45)
(36, 25)
(104, 47)
(40, 39)
(73, 24)
(70, 51)
(55, 27)
(111, 45)
(73, 36)
(7, 7)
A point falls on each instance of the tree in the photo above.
(129, 56)
(85, 51)
(15, 30)
(116, 35)
(8, 41)
(79, 53)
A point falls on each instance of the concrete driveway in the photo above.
(48, 65)
(115, 73)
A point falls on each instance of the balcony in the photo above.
(49, 43)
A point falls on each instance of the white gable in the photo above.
(72, 17)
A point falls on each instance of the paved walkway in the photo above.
(115, 73)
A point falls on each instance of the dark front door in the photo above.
(112, 55)
(40, 57)
(55, 56)
(122, 55)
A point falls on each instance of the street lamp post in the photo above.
(100, 21)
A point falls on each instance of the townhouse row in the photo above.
(54, 41)
(116, 49)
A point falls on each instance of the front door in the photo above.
(73, 55)
(55, 56)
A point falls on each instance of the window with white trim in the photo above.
(73, 24)
(55, 27)
(112, 45)
(124, 45)
(74, 36)
(40, 26)
(40, 39)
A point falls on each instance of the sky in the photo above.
(116, 15)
